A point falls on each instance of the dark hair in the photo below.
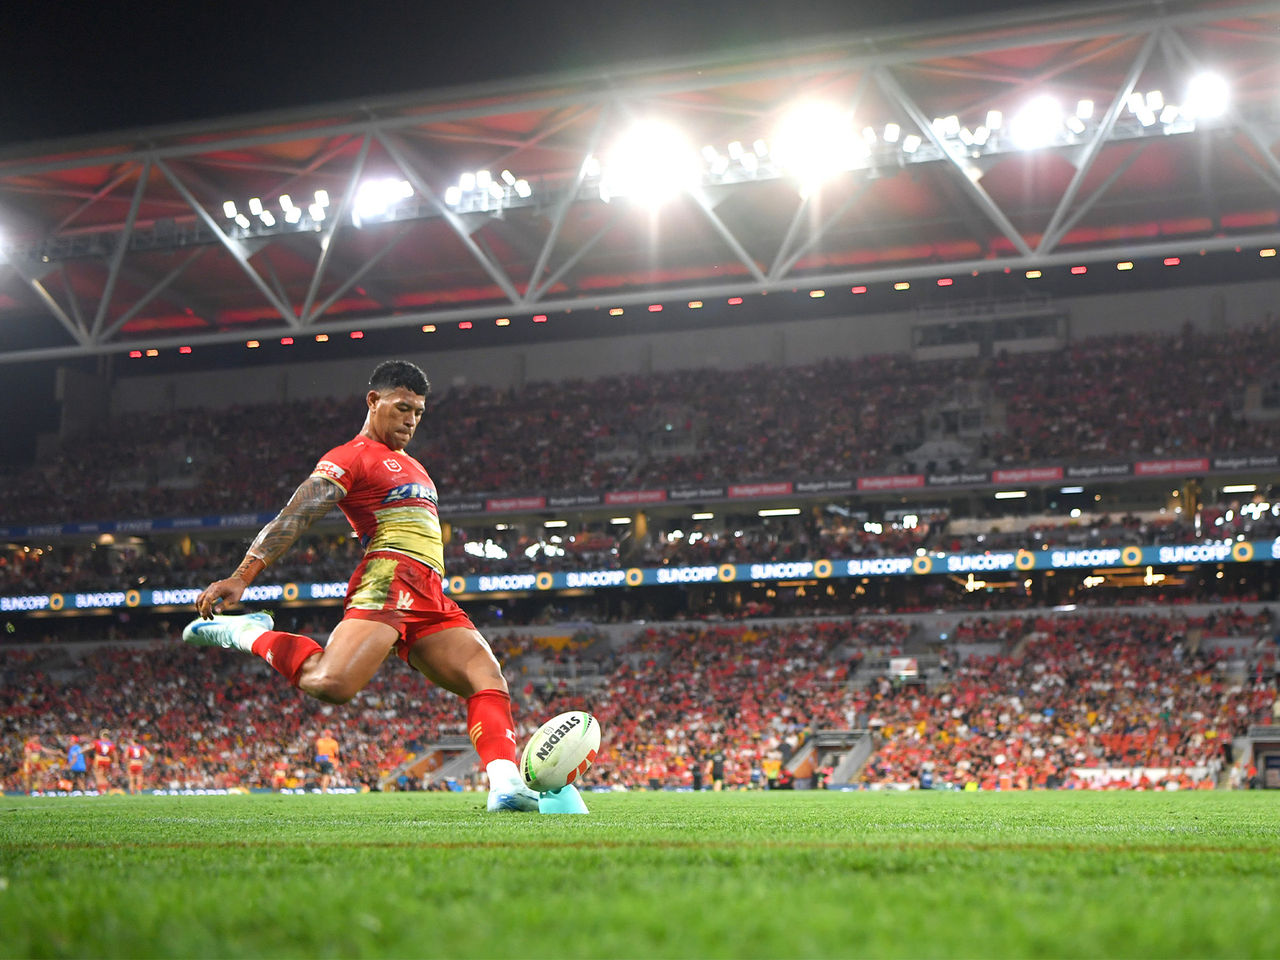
(400, 373)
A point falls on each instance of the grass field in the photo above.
(671, 875)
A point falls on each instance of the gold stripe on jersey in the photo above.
(375, 585)
(411, 530)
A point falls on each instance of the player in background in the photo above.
(395, 599)
(77, 771)
(326, 757)
(32, 760)
(135, 755)
(104, 755)
(279, 774)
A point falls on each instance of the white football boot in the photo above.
(507, 789)
(232, 631)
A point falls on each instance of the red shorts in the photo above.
(135, 768)
(399, 591)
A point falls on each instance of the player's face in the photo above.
(394, 415)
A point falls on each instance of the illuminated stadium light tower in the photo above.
(789, 169)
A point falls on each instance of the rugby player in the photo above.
(395, 597)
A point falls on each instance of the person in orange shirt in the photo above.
(135, 754)
(326, 757)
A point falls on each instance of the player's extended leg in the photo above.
(460, 660)
(334, 673)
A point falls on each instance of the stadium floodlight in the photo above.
(814, 141)
(286, 202)
(1037, 124)
(242, 221)
(255, 206)
(268, 218)
(761, 148)
(911, 143)
(735, 150)
(316, 211)
(1208, 96)
(229, 209)
(522, 189)
(453, 195)
(322, 198)
(375, 198)
(1075, 124)
(891, 133)
(293, 215)
(651, 162)
(508, 178)
(1084, 110)
(483, 179)
(467, 182)
(1155, 101)
(995, 120)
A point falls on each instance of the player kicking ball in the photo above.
(395, 598)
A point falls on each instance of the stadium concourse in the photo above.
(1017, 700)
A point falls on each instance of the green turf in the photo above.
(672, 875)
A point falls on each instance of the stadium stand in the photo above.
(1100, 398)
(1009, 701)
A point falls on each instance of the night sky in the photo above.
(79, 68)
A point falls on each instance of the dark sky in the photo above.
(77, 68)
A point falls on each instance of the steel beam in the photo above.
(233, 247)
(1084, 163)
(562, 208)
(407, 167)
(122, 248)
(331, 230)
(1041, 27)
(894, 91)
(156, 290)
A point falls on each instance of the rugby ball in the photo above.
(560, 751)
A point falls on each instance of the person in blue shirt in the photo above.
(77, 771)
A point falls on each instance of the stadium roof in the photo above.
(1030, 140)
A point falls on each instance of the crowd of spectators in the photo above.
(1112, 689)
(1104, 398)
(1127, 690)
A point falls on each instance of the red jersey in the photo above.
(104, 749)
(135, 753)
(390, 501)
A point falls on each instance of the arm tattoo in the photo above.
(314, 498)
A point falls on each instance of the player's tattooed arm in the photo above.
(314, 498)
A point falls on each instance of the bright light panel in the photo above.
(652, 163)
(779, 512)
(814, 141)
(1037, 124)
(1010, 494)
(1208, 96)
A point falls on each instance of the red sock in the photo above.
(490, 725)
(285, 652)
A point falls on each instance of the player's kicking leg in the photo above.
(459, 660)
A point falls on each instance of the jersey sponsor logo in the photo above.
(327, 468)
(392, 464)
(410, 491)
